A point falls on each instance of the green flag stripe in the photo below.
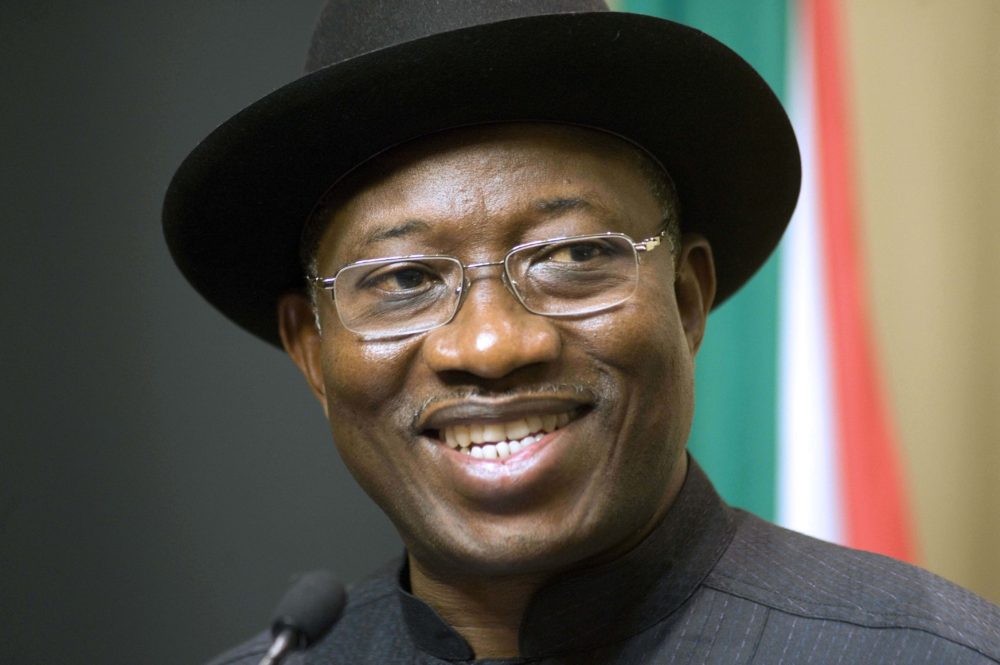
(735, 430)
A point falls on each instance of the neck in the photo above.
(486, 612)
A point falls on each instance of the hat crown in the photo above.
(349, 28)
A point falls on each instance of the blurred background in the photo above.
(163, 474)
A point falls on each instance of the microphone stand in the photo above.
(284, 642)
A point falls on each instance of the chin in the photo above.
(528, 545)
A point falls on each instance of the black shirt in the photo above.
(710, 585)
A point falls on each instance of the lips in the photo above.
(499, 427)
(498, 440)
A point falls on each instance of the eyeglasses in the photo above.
(405, 295)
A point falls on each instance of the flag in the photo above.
(791, 421)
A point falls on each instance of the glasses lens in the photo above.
(575, 275)
(392, 297)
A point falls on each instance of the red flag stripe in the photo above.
(876, 516)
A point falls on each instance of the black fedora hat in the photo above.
(383, 72)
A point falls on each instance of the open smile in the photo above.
(499, 440)
(499, 428)
(500, 455)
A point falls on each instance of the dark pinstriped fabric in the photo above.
(710, 585)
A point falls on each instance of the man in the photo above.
(490, 234)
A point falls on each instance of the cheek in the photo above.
(363, 376)
(369, 412)
(645, 351)
(668, 363)
(644, 338)
(365, 393)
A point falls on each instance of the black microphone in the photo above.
(306, 612)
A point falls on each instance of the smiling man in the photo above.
(529, 417)
(490, 235)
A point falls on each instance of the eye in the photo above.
(577, 252)
(574, 253)
(400, 279)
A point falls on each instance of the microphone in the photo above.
(306, 612)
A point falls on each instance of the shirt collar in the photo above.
(584, 610)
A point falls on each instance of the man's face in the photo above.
(617, 384)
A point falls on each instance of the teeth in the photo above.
(492, 432)
(501, 440)
(476, 433)
(517, 429)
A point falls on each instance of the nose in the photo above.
(492, 335)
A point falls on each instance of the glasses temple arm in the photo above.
(649, 244)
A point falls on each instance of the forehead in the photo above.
(499, 182)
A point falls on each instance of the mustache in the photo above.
(521, 391)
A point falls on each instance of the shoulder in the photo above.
(812, 580)
(371, 610)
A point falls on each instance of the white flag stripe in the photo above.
(808, 478)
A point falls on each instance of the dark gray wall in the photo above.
(162, 474)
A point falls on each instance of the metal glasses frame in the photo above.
(329, 283)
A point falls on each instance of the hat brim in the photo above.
(235, 209)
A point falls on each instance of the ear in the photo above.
(694, 286)
(302, 340)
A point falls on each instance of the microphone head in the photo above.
(310, 607)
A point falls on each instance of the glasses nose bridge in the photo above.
(504, 278)
(483, 264)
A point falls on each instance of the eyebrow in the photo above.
(562, 204)
(548, 207)
(408, 227)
